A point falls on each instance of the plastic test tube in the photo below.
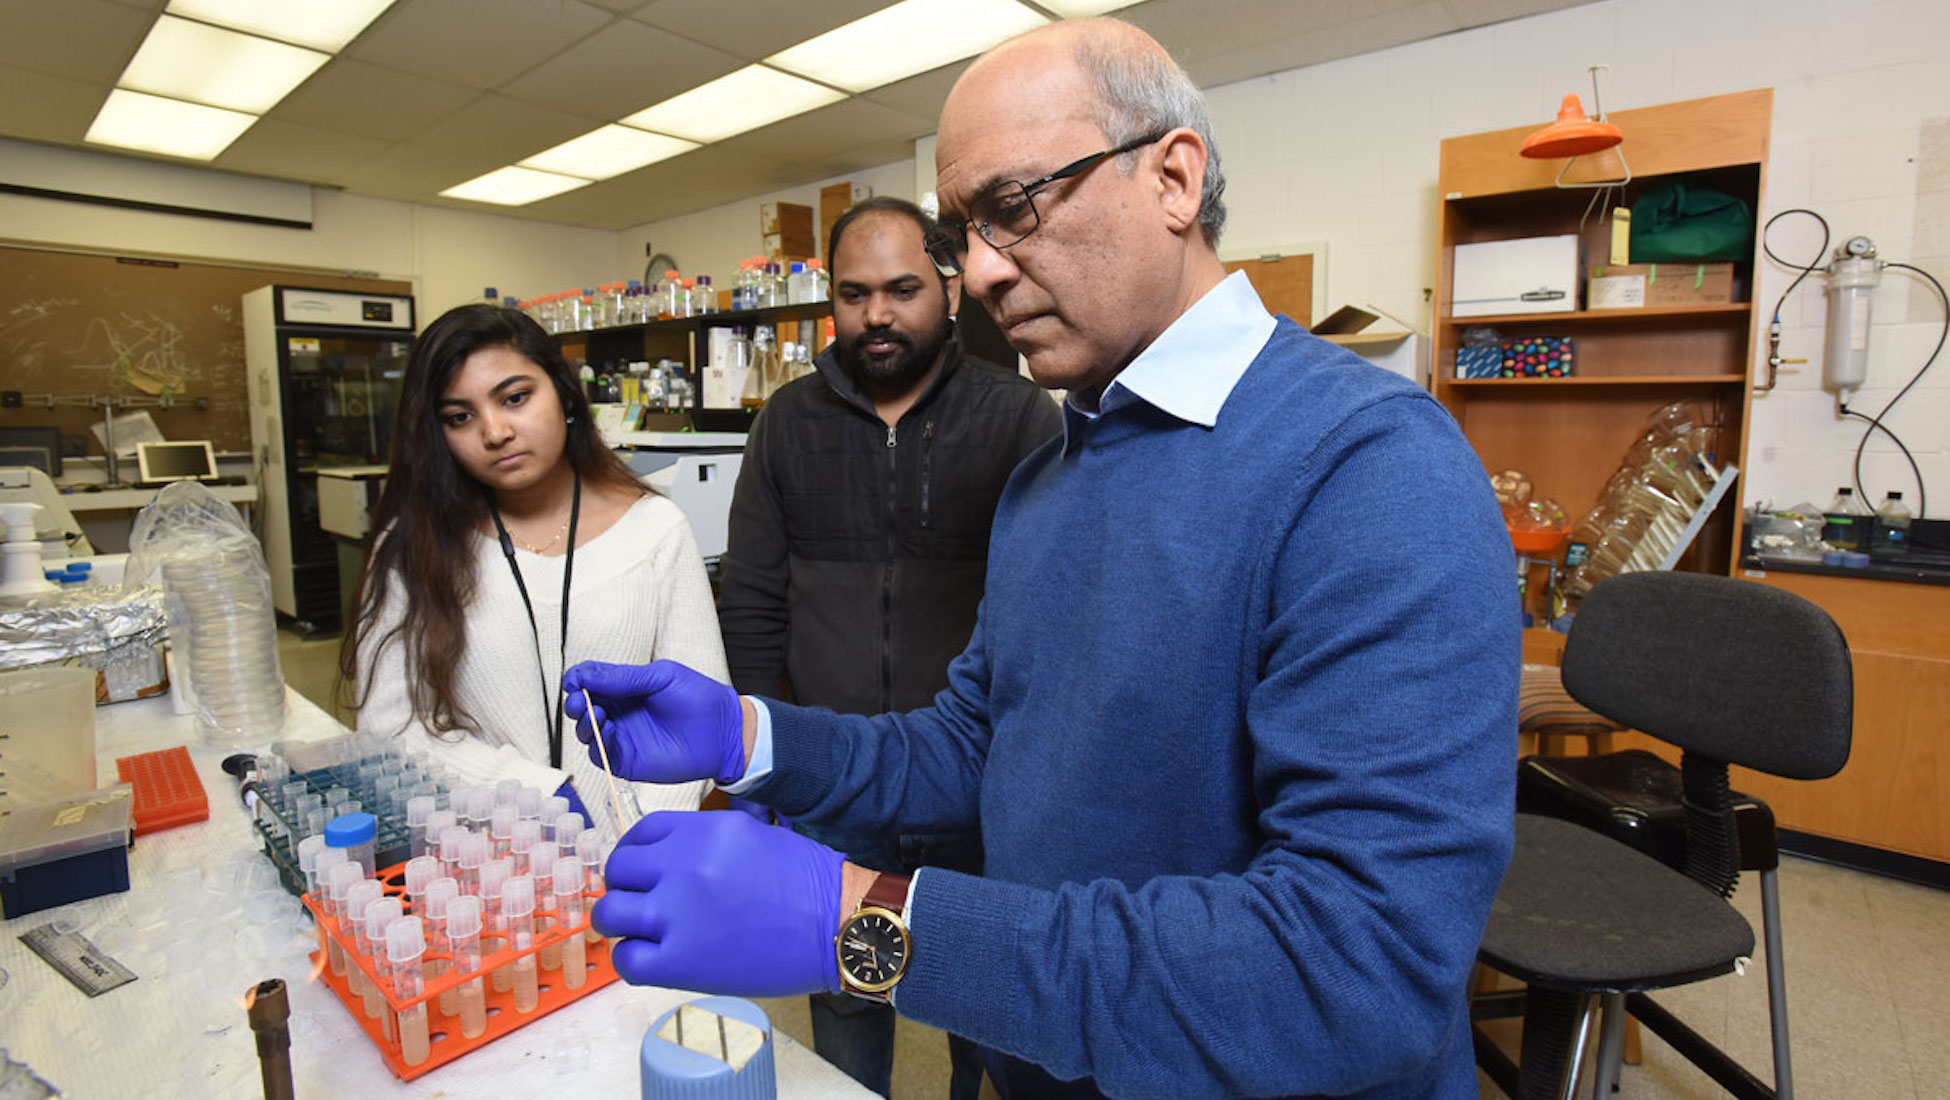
(420, 870)
(464, 935)
(352, 928)
(380, 913)
(526, 835)
(541, 868)
(419, 810)
(518, 910)
(571, 952)
(553, 807)
(355, 833)
(501, 827)
(440, 892)
(339, 881)
(568, 826)
(506, 791)
(451, 838)
(405, 947)
(589, 851)
(528, 803)
(494, 875)
(473, 856)
(308, 850)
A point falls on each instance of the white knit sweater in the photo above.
(639, 595)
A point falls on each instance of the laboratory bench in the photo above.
(181, 1028)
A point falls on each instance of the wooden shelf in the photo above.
(1648, 314)
(1580, 380)
(1569, 434)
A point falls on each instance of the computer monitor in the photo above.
(176, 461)
(31, 446)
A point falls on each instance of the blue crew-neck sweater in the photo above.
(1238, 725)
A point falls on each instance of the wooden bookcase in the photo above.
(1569, 434)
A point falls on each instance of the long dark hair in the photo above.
(432, 510)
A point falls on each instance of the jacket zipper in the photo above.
(887, 573)
(927, 472)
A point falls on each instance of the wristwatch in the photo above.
(873, 944)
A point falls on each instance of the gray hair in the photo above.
(1143, 92)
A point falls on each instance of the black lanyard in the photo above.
(553, 720)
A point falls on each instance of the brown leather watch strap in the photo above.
(888, 891)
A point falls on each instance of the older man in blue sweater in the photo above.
(1238, 717)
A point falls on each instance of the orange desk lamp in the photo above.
(1573, 135)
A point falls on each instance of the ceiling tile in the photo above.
(842, 126)
(81, 39)
(40, 107)
(1424, 19)
(695, 181)
(355, 97)
(1475, 13)
(753, 29)
(287, 150)
(478, 43)
(621, 70)
(921, 96)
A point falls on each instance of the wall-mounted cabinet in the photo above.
(1569, 434)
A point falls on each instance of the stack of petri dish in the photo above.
(222, 605)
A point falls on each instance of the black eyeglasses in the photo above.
(1005, 214)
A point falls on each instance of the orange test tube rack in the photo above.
(447, 1042)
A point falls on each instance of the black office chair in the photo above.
(1730, 672)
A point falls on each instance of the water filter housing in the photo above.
(1852, 282)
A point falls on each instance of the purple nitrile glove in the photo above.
(762, 814)
(661, 722)
(718, 903)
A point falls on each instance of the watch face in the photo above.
(873, 950)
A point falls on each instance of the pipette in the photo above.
(615, 801)
(405, 946)
(464, 933)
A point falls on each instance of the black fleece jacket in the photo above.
(857, 552)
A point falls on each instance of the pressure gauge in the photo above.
(1857, 247)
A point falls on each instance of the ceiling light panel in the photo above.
(609, 151)
(1078, 9)
(910, 37)
(154, 124)
(514, 186)
(320, 24)
(753, 96)
(220, 68)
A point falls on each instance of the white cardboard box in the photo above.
(1524, 275)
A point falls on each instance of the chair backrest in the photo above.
(1730, 669)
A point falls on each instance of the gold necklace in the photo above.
(543, 548)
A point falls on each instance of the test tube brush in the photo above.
(270, 1014)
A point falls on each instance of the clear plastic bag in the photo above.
(222, 625)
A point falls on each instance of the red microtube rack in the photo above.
(167, 791)
(446, 1042)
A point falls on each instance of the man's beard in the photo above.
(902, 370)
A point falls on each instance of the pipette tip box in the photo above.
(167, 791)
(65, 850)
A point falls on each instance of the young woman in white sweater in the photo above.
(505, 522)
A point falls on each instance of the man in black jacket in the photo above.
(859, 538)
